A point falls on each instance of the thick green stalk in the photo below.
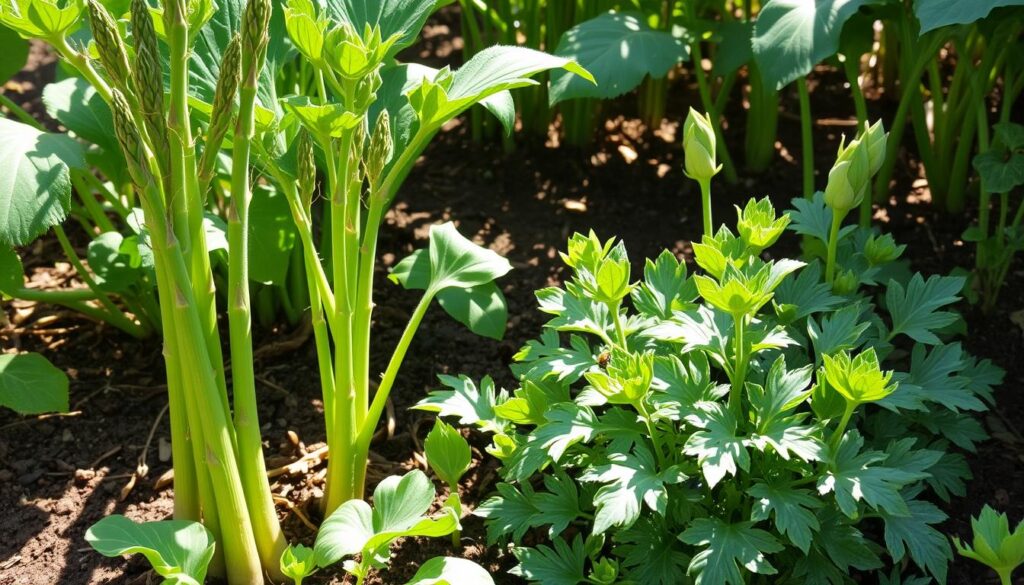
(705, 201)
(739, 375)
(366, 430)
(833, 245)
(92, 207)
(762, 122)
(270, 541)
(837, 436)
(364, 304)
(806, 137)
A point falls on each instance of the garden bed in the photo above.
(60, 474)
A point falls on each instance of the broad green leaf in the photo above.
(856, 476)
(272, 236)
(567, 425)
(179, 551)
(729, 548)
(792, 508)
(30, 384)
(938, 13)
(450, 571)
(531, 402)
(401, 17)
(561, 565)
(324, 120)
(213, 38)
(82, 111)
(841, 330)
(447, 452)
(512, 512)
(804, 295)
(474, 405)
(619, 49)
(651, 553)
(629, 480)
(813, 218)
(457, 262)
(843, 543)
(114, 269)
(1002, 167)
(488, 73)
(914, 310)
(717, 447)
(915, 534)
(15, 52)
(481, 308)
(35, 187)
(399, 508)
(733, 44)
(12, 273)
(792, 36)
(545, 357)
(574, 313)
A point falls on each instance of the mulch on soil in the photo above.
(59, 475)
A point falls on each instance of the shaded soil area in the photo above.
(59, 475)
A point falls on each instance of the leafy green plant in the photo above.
(179, 551)
(994, 545)
(743, 421)
(371, 118)
(1000, 166)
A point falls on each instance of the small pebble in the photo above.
(84, 475)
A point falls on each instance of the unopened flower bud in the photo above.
(131, 142)
(306, 168)
(109, 45)
(846, 283)
(882, 249)
(875, 139)
(381, 148)
(255, 38)
(699, 147)
(849, 178)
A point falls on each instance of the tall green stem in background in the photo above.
(806, 136)
(762, 122)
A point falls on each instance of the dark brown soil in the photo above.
(59, 475)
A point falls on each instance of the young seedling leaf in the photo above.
(450, 571)
(402, 17)
(400, 507)
(619, 49)
(447, 453)
(30, 384)
(298, 562)
(178, 551)
(993, 544)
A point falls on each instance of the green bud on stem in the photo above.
(109, 45)
(699, 146)
(381, 148)
(223, 106)
(148, 75)
(850, 177)
(128, 137)
(255, 38)
(306, 168)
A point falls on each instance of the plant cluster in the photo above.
(762, 417)
(191, 91)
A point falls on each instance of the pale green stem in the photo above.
(705, 200)
(20, 113)
(114, 315)
(806, 136)
(837, 436)
(740, 367)
(833, 245)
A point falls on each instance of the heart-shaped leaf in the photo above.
(938, 13)
(457, 262)
(15, 52)
(178, 551)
